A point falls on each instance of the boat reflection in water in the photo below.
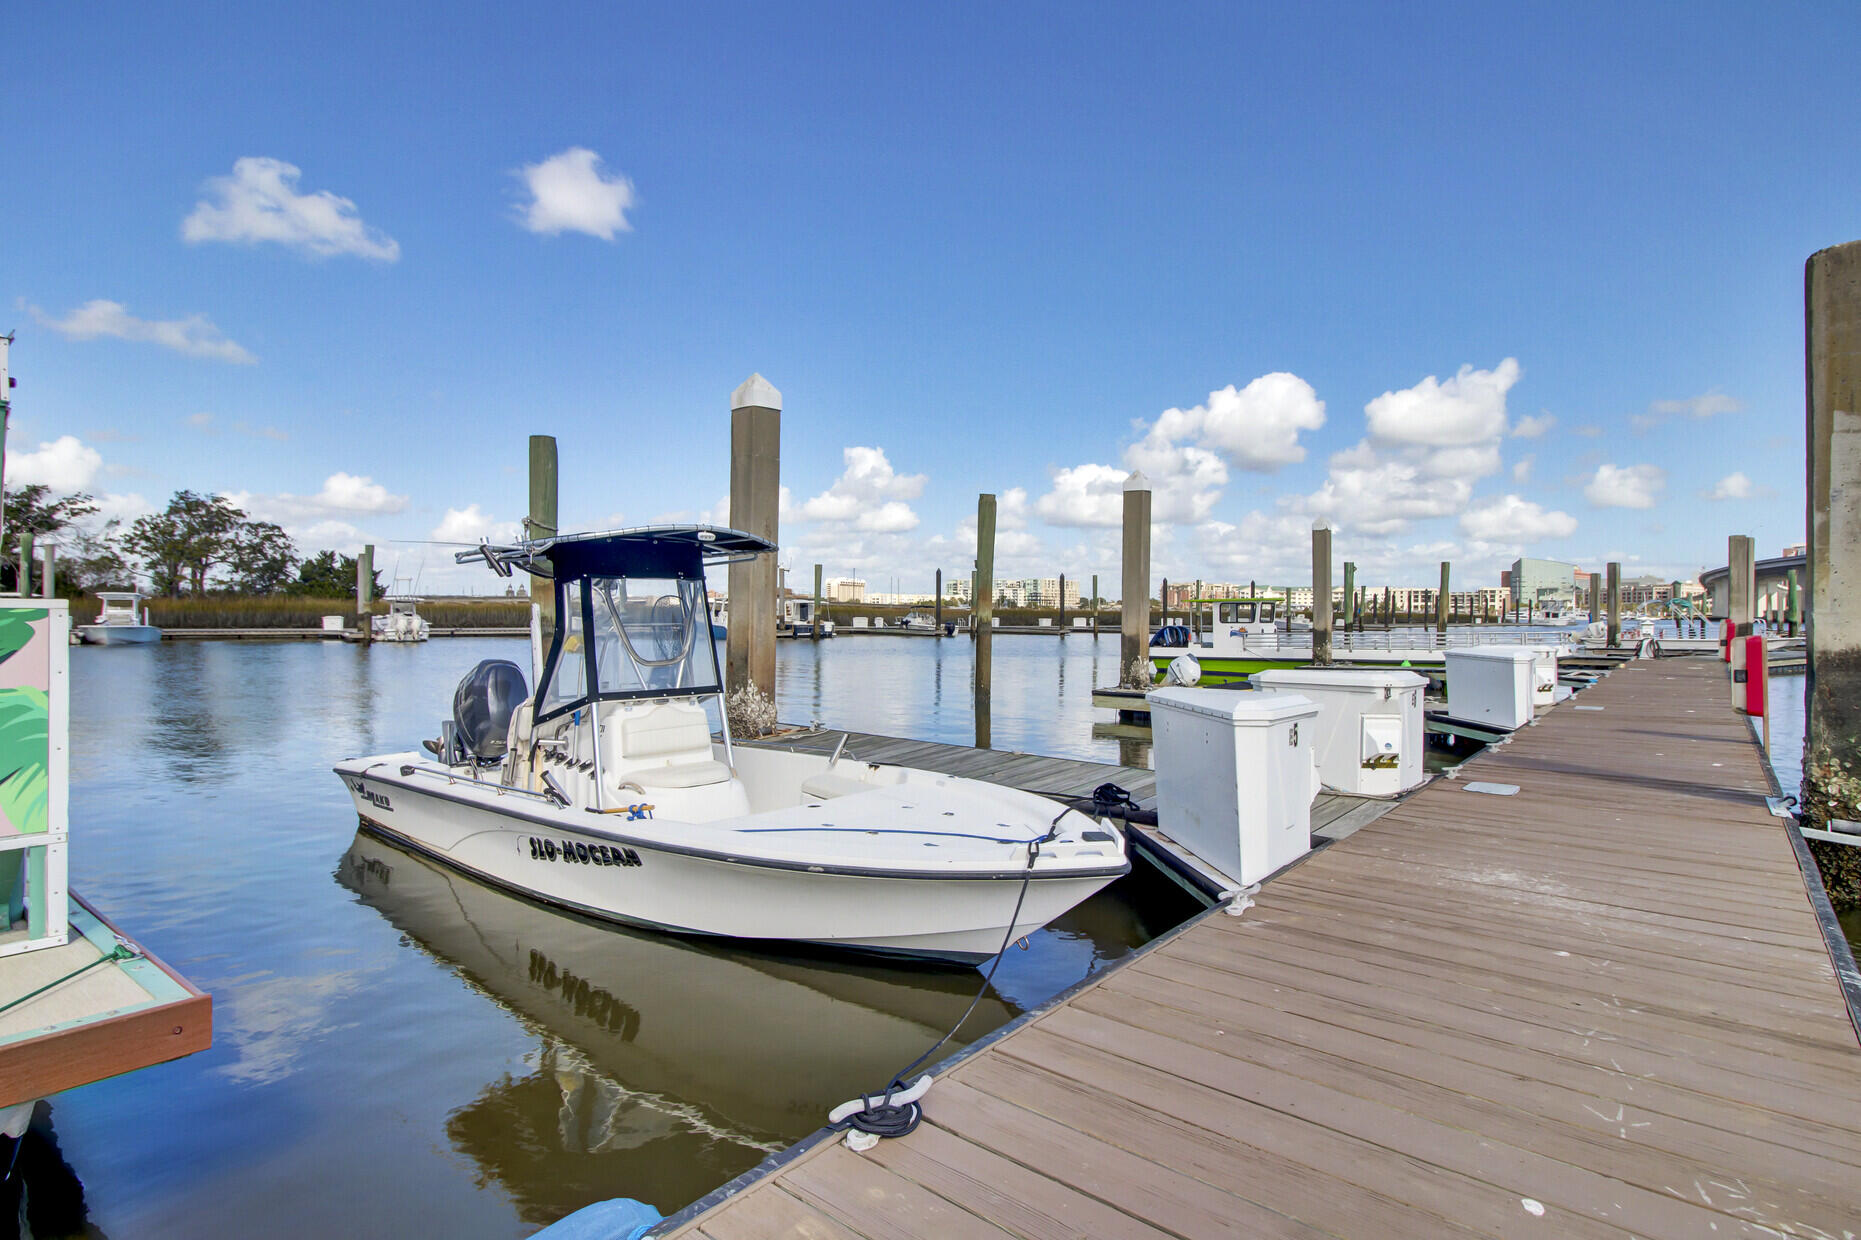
(665, 1066)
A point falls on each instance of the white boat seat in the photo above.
(666, 729)
(680, 775)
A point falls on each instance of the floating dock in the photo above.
(96, 1007)
(1609, 1004)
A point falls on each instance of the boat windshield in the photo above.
(1236, 613)
(651, 636)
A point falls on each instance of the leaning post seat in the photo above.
(660, 744)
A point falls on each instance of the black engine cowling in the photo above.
(483, 704)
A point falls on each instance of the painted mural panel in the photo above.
(25, 715)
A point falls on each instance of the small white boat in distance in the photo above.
(122, 621)
(604, 790)
(403, 623)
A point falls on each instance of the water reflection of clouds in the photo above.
(271, 1018)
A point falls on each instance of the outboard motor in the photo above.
(482, 706)
(1172, 636)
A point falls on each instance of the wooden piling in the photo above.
(1793, 606)
(984, 611)
(1443, 603)
(25, 564)
(365, 591)
(542, 521)
(939, 603)
(755, 504)
(1741, 598)
(1615, 603)
(1095, 604)
(1832, 752)
(1350, 593)
(48, 585)
(1134, 627)
(815, 632)
(1062, 605)
(1321, 592)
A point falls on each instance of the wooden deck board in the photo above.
(1600, 1007)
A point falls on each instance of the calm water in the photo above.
(401, 1051)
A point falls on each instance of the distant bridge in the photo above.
(1773, 585)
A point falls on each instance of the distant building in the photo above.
(844, 590)
(1537, 584)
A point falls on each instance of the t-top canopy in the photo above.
(645, 551)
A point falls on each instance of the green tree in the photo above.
(328, 575)
(31, 509)
(182, 545)
(262, 558)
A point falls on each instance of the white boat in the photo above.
(403, 623)
(604, 790)
(798, 618)
(122, 621)
(919, 622)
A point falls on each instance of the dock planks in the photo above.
(1601, 1007)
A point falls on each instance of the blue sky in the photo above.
(1482, 280)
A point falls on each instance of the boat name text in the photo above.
(582, 854)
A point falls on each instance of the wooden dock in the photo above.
(1601, 1007)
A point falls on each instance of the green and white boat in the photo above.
(1243, 635)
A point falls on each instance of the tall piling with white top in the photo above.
(755, 507)
(1832, 749)
(1134, 628)
(1321, 592)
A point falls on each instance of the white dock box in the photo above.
(1235, 776)
(1543, 676)
(1369, 725)
(1491, 685)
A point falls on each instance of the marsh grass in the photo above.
(292, 612)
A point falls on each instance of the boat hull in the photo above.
(118, 634)
(572, 859)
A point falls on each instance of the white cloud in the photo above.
(259, 202)
(1732, 486)
(569, 193)
(341, 494)
(349, 493)
(869, 494)
(66, 464)
(469, 525)
(194, 336)
(1521, 468)
(200, 421)
(124, 508)
(1256, 427)
(1376, 495)
(1085, 495)
(1703, 406)
(1530, 426)
(1469, 408)
(1625, 486)
(1511, 519)
(1428, 445)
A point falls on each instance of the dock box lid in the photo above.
(1243, 708)
(1366, 679)
(1496, 654)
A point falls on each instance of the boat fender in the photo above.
(622, 1218)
